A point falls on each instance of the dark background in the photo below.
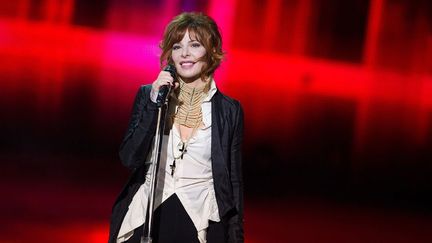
(338, 113)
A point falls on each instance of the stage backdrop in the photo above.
(337, 94)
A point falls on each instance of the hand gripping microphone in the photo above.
(165, 90)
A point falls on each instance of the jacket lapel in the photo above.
(217, 127)
(219, 164)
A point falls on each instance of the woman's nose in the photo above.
(185, 52)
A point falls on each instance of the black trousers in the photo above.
(172, 224)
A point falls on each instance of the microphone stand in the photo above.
(162, 112)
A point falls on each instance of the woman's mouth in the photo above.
(187, 64)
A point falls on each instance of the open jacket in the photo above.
(227, 135)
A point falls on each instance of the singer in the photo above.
(199, 194)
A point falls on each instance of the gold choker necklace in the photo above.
(189, 100)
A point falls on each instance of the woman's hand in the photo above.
(164, 78)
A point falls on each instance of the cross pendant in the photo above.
(173, 167)
(182, 150)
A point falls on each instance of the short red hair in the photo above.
(201, 28)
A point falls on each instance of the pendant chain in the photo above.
(181, 146)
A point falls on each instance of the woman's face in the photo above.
(186, 55)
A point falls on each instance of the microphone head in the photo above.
(172, 70)
(165, 90)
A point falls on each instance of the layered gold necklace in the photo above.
(189, 100)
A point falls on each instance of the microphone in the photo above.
(165, 90)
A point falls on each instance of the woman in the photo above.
(199, 195)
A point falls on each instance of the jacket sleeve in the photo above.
(141, 130)
(235, 224)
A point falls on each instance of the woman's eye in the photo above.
(176, 47)
(196, 44)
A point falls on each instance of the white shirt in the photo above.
(192, 180)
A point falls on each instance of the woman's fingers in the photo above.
(164, 78)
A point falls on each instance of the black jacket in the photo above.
(227, 135)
